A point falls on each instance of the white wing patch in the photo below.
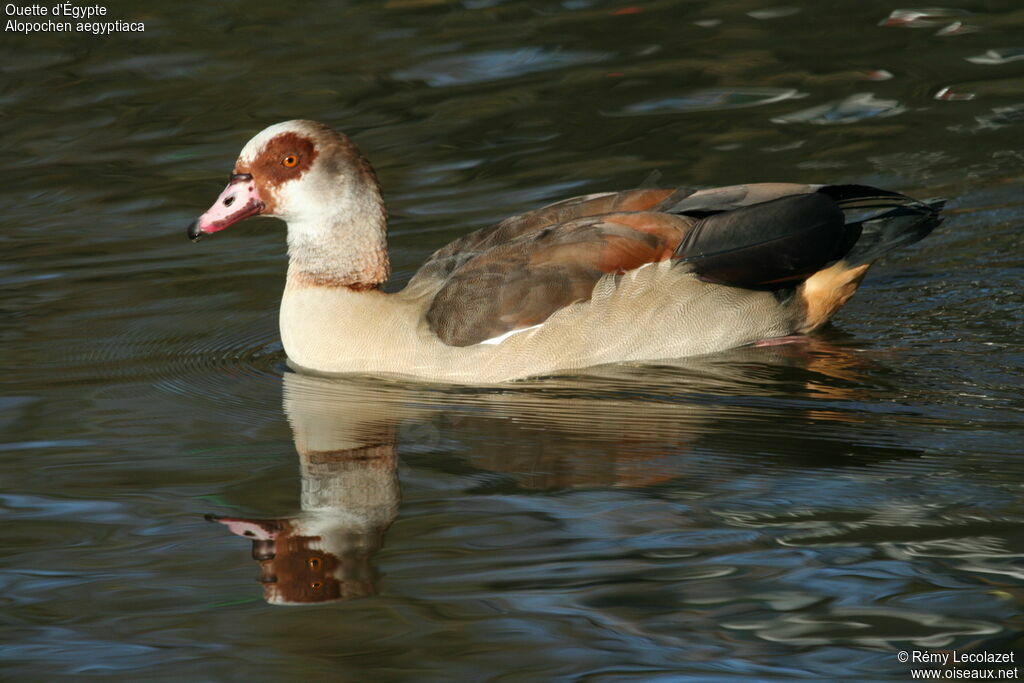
(502, 337)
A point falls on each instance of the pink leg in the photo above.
(778, 341)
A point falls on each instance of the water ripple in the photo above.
(853, 109)
(711, 99)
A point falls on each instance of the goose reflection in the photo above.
(350, 496)
(619, 426)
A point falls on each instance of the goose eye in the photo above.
(316, 585)
(290, 161)
(314, 563)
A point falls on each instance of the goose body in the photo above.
(625, 276)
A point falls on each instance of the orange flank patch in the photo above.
(618, 243)
(657, 236)
(664, 226)
(622, 254)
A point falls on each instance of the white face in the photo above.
(280, 173)
(302, 172)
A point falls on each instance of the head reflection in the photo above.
(350, 496)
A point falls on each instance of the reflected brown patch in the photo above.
(302, 573)
(294, 569)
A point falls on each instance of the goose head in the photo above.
(301, 171)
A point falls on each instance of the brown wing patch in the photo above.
(522, 282)
(448, 259)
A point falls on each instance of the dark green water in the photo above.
(778, 513)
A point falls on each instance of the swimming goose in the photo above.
(636, 275)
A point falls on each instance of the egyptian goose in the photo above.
(619, 276)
